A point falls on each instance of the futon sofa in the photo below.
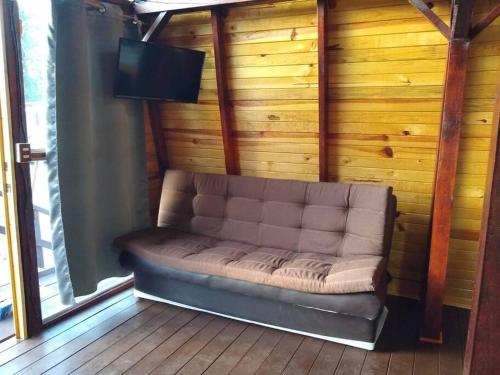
(306, 257)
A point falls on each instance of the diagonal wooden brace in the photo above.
(485, 22)
(432, 17)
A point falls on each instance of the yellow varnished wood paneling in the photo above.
(387, 66)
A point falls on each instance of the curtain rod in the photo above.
(101, 8)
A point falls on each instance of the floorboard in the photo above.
(89, 365)
(46, 356)
(304, 357)
(145, 347)
(403, 326)
(79, 357)
(124, 334)
(187, 351)
(230, 358)
(450, 353)
(281, 354)
(251, 362)
(328, 359)
(90, 317)
(203, 359)
(351, 362)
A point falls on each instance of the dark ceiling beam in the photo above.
(446, 169)
(485, 22)
(156, 6)
(442, 27)
(223, 92)
(122, 3)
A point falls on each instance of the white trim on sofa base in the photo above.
(358, 344)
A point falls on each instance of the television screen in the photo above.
(152, 71)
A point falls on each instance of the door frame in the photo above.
(31, 313)
(8, 200)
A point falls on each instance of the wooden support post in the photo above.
(481, 353)
(153, 106)
(222, 91)
(322, 13)
(449, 140)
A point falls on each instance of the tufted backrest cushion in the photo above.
(320, 217)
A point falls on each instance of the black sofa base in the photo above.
(354, 319)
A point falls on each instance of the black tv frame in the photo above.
(164, 46)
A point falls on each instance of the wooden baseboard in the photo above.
(85, 305)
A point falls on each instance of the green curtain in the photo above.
(97, 157)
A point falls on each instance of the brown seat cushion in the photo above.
(307, 236)
(303, 271)
(327, 218)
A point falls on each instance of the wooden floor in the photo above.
(49, 296)
(124, 334)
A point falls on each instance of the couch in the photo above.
(306, 257)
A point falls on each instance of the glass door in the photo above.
(6, 293)
(36, 19)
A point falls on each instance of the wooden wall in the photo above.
(386, 80)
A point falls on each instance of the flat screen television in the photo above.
(158, 72)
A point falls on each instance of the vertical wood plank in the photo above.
(449, 140)
(481, 353)
(322, 13)
(222, 90)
